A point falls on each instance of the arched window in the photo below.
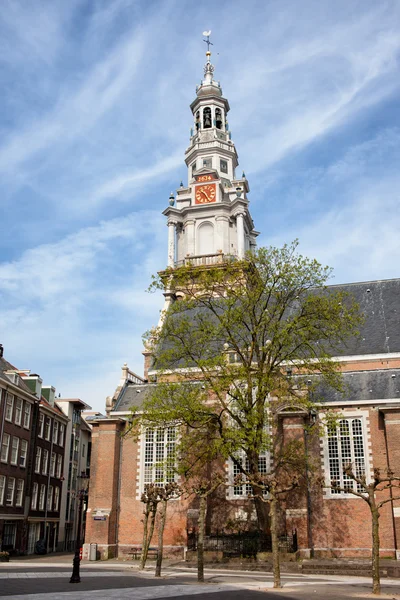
(205, 239)
(218, 118)
(207, 117)
(198, 120)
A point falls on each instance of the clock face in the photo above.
(205, 194)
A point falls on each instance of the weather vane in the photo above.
(207, 41)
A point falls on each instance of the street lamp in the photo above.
(75, 577)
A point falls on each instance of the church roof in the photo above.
(131, 396)
(381, 384)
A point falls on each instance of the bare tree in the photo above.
(151, 497)
(169, 491)
(368, 492)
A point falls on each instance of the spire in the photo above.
(208, 85)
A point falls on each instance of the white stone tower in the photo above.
(209, 221)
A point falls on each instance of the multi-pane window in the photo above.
(27, 415)
(50, 498)
(2, 488)
(18, 411)
(53, 464)
(34, 496)
(23, 453)
(59, 465)
(14, 451)
(56, 498)
(159, 455)
(38, 459)
(41, 425)
(42, 496)
(10, 491)
(9, 407)
(20, 492)
(346, 449)
(61, 435)
(5, 446)
(47, 424)
(45, 461)
(245, 488)
(55, 432)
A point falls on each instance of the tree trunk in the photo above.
(143, 556)
(262, 510)
(376, 580)
(147, 541)
(200, 542)
(275, 543)
(163, 518)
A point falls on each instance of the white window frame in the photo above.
(2, 488)
(5, 447)
(56, 498)
(42, 496)
(41, 425)
(55, 431)
(34, 500)
(19, 405)
(23, 454)
(47, 428)
(59, 466)
(27, 415)
(52, 464)
(11, 490)
(45, 461)
(50, 497)
(244, 490)
(19, 496)
(9, 408)
(38, 459)
(155, 453)
(14, 450)
(61, 435)
(362, 416)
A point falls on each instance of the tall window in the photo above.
(38, 459)
(18, 411)
(55, 432)
(59, 465)
(50, 498)
(346, 447)
(218, 118)
(34, 496)
(47, 425)
(2, 488)
(245, 488)
(20, 492)
(61, 435)
(10, 491)
(45, 461)
(9, 407)
(159, 455)
(27, 415)
(41, 425)
(5, 446)
(23, 453)
(42, 496)
(207, 117)
(53, 464)
(56, 498)
(14, 451)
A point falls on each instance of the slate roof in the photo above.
(131, 396)
(380, 303)
(381, 384)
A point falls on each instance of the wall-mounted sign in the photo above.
(99, 518)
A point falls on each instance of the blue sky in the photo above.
(94, 121)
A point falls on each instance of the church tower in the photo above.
(209, 221)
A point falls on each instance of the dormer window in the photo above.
(218, 118)
(207, 117)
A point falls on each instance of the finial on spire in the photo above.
(207, 41)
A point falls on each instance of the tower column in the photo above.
(240, 234)
(171, 242)
(189, 233)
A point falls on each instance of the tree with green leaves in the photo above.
(234, 347)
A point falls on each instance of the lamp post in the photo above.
(75, 577)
